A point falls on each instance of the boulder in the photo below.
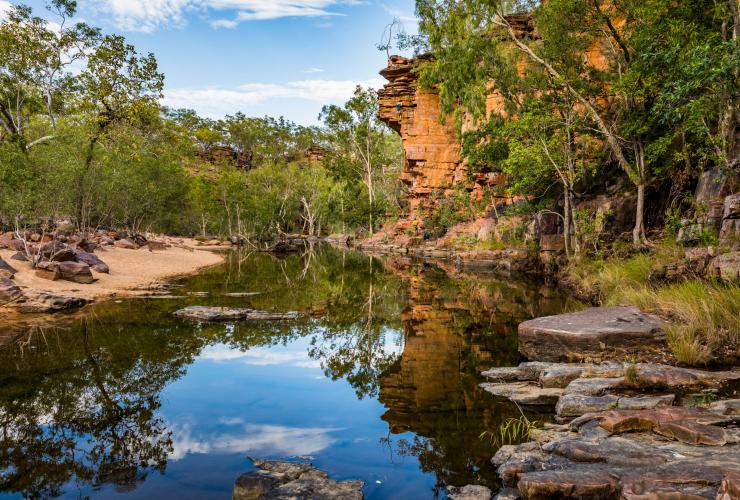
(552, 243)
(19, 256)
(277, 479)
(206, 313)
(557, 338)
(9, 292)
(156, 246)
(5, 239)
(87, 246)
(92, 260)
(126, 244)
(16, 245)
(729, 233)
(76, 272)
(6, 270)
(57, 252)
(725, 267)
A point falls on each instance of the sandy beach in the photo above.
(131, 271)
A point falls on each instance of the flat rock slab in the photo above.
(575, 405)
(206, 313)
(277, 479)
(557, 338)
(525, 393)
(43, 302)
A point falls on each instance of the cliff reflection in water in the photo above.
(455, 326)
(81, 406)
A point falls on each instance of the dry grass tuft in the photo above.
(704, 316)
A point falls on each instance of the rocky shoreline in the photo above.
(625, 429)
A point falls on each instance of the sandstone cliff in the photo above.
(432, 149)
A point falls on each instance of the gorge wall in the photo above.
(432, 150)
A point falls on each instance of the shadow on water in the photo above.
(82, 410)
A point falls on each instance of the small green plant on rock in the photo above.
(631, 374)
(511, 431)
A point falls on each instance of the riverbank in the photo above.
(132, 272)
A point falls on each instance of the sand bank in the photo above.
(131, 271)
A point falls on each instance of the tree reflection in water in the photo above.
(82, 406)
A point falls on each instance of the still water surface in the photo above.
(378, 382)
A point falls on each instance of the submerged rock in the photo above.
(206, 313)
(557, 338)
(278, 479)
(469, 492)
(43, 302)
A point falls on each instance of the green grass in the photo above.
(511, 431)
(703, 315)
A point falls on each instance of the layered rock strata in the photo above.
(664, 453)
(576, 389)
(432, 149)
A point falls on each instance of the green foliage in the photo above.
(449, 210)
(708, 237)
(511, 431)
(703, 316)
(97, 148)
(590, 227)
(486, 147)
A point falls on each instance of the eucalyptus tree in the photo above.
(358, 140)
(118, 87)
(36, 57)
(588, 50)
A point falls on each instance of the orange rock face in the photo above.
(432, 149)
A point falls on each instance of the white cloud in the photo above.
(147, 15)
(251, 438)
(4, 8)
(401, 15)
(216, 102)
(259, 356)
(311, 71)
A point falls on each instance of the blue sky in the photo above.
(261, 57)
